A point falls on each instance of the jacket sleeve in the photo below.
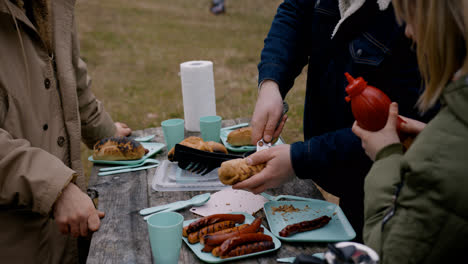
(284, 53)
(25, 183)
(96, 123)
(319, 153)
(380, 189)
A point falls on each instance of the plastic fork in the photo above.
(155, 161)
(285, 196)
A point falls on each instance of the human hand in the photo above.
(122, 130)
(75, 214)
(373, 142)
(268, 111)
(278, 169)
(411, 126)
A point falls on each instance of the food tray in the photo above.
(208, 257)
(338, 229)
(225, 132)
(152, 148)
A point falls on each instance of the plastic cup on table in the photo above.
(165, 234)
(210, 128)
(173, 130)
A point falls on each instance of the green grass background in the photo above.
(134, 48)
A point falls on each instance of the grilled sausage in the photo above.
(233, 242)
(224, 231)
(211, 219)
(195, 236)
(207, 248)
(304, 226)
(218, 239)
(249, 248)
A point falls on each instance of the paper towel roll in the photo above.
(198, 92)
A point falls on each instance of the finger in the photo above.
(411, 126)
(259, 157)
(64, 228)
(75, 229)
(101, 214)
(251, 183)
(257, 129)
(259, 189)
(270, 127)
(94, 222)
(280, 127)
(357, 130)
(84, 228)
(392, 116)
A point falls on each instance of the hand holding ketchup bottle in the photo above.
(370, 107)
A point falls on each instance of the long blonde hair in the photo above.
(440, 33)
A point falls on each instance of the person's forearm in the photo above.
(284, 54)
(321, 153)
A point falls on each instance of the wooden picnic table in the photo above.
(123, 235)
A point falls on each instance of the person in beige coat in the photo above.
(46, 108)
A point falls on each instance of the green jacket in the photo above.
(416, 204)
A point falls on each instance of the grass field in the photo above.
(134, 48)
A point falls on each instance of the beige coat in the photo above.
(43, 116)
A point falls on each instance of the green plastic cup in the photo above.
(165, 234)
(173, 130)
(210, 128)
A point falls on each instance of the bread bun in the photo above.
(198, 143)
(217, 147)
(240, 137)
(237, 170)
(118, 148)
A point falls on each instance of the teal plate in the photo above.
(338, 229)
(208, 257)
(225, 132)
(152, 148)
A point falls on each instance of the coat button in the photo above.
(45, 127)
(359, 52)
(61, 141)
(47, 83)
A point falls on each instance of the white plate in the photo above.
(225, 132)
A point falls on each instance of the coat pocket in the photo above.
(367, 50)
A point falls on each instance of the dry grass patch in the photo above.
(134, 48)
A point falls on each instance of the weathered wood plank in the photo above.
(119, 238)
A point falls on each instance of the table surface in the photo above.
(123, 236)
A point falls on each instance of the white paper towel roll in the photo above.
(198, 92)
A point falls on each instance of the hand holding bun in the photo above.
(237, 170)
(118, 148)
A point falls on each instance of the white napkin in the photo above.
(228, 200)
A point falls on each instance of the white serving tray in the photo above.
(169, 177)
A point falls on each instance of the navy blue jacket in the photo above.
(370, 44)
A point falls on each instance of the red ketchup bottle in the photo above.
(369, 104)
(370, 107)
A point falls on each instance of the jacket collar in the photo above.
(16, 12)
(349, 7)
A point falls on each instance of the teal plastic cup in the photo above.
(165, 234)
(210, 128)
(173, 130)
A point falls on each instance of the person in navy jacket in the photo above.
(332, 37)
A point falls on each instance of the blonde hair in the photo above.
(440, 33)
